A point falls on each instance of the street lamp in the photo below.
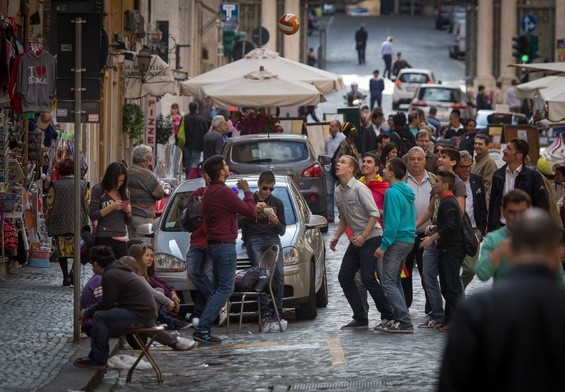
(143, 61)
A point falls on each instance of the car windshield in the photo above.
(414, 78)
(272, 151)
(438, 94)
(172, 216)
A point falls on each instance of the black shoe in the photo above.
(205, 337)
(356, 324)
(67, 281)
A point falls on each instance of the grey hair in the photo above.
(465, 155)
(141, 153)
(217, 120)
(416, 149)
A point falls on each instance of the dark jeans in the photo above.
(449, 267)
(112, 323)
(361, 55)
(414, 257)
(120, 248)
(378, 98)
(256, 246)
(363, 259)
(387, 58)
(199, 268)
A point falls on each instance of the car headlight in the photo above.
(168, 263)
(291, 256)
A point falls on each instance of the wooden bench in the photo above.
(139, 334)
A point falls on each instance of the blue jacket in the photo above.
(399, 215)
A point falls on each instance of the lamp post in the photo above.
(144, 61)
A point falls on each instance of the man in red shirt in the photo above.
(220, 207)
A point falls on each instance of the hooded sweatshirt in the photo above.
(122, 288)
(399, 215)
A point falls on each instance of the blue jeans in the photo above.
(255, 248)
(362, 258)
(451, 286)
(199, 269)
(191, 158)
(430, 270)
(378, 98)
(112, 323)
(224, 263)
(392, 265)
(330, 190)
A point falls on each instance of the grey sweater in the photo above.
(36, 80)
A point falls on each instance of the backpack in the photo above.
(403, 144)
(192, 215)
(471, 243)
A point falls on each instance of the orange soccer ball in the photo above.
(288, 24)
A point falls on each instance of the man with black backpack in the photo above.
(401, 135)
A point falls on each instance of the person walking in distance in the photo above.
(195, 127)
(361, 43)
(357, 209)
(220, 207)
(260, 234)
(376, 87)
(387, 51)
(396, 243)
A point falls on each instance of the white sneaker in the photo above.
(184, 344)
(224, 314)
(195, 321)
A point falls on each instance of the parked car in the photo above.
(486, 117)
(406, 83)
(458, 48)
(443, 96)
(328, 9)
(357, 11)
(406, 7)
(442, 16)
(286, 154)
(458, 12)
(303, 247)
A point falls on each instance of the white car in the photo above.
(303, 247)
(406, 83)
(444, 97)
(328, 9)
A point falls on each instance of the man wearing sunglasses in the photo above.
(259, 235)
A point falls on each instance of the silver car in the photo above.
(303, 247)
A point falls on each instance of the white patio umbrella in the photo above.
(157, 81)
(286, 69)
(262, 89)
(549, 103)
(529, 89)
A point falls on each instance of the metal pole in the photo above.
(78, 112)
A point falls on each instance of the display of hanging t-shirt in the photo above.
(36, 80)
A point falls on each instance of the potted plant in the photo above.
(133, 121)
(164, 128)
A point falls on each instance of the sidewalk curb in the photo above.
(80, 379)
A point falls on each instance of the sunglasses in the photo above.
(270, 188)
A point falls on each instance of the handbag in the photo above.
(86, 243)
(471, 242)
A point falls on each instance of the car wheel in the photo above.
(322, 294)
(308, 310)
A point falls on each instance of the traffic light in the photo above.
(229, 38)
(534, 47)
(521, 48)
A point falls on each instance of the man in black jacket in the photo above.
(449, 243)
(515, 175)
(475, 207)
(195, 127)
(401, 135)
(361, 43)
(491, 346)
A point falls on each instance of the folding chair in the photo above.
(150, 333)
(267, 268)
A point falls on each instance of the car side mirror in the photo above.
(316, 221)
(324, 159)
